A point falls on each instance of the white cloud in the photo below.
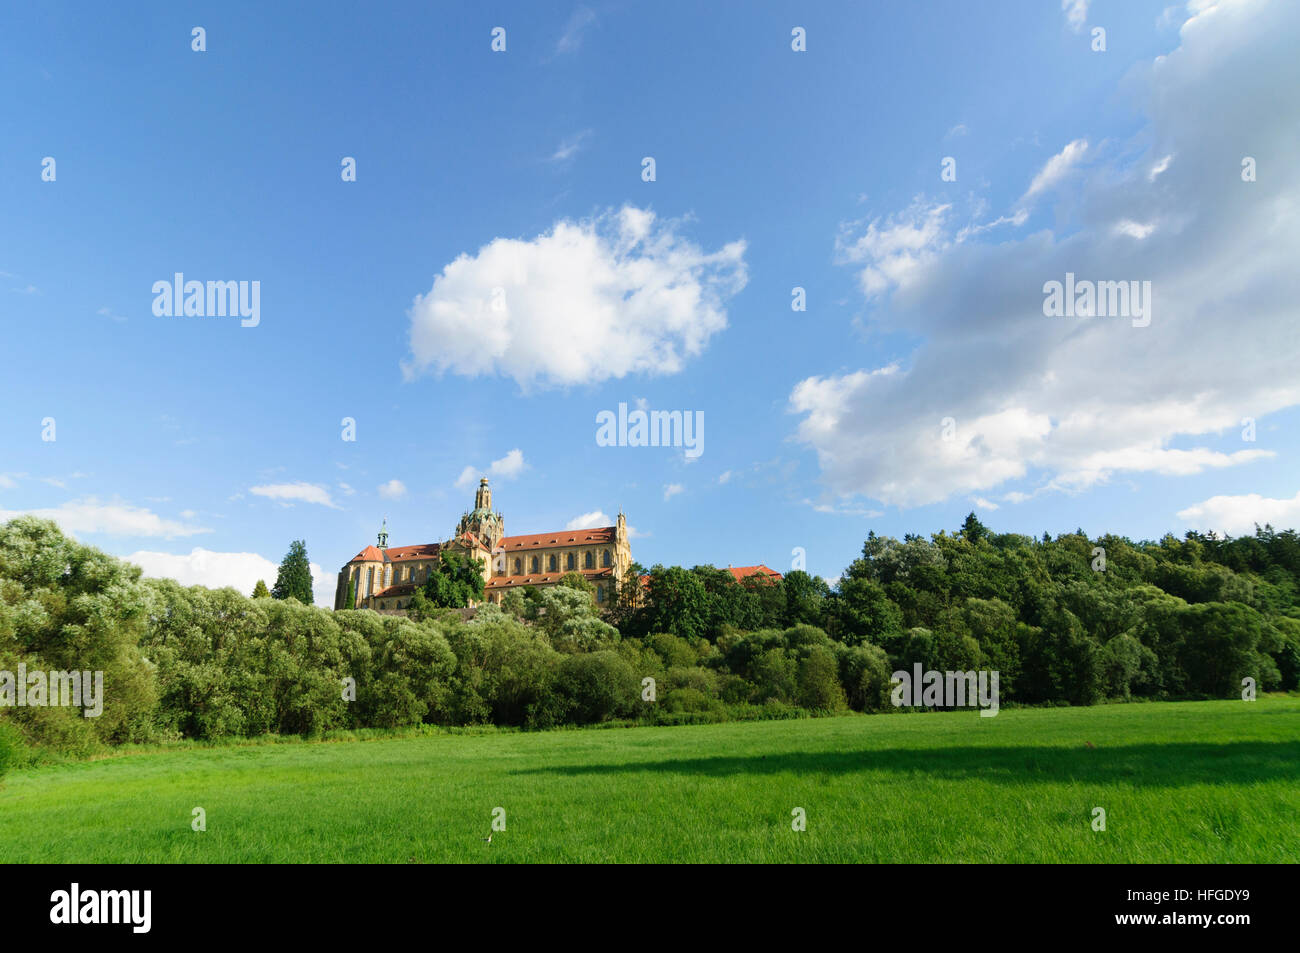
(1237, 515)
(1056, 169)
(1134, 229)
(671, 490)
(589, 520)
(300, 492)
(984, 504)
(1064, 403)
(724, 476)
(7, 481)
(893, 249)
(570, 147)
(571, 40)
(392, 490)
(88, 515)
(203, 567)
(586, 302)
(507, 468)
(1076, 13)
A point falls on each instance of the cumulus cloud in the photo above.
(588, 301)
(203, 567)
(392, 490)
(290, 493)
(671, 490)
(507, 468)
(88, 515)
(994, 391)
(589, 520)
(1237, 515)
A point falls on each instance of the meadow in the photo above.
(1215, 781)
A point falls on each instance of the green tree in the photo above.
(260, 591)
(457, 581)
(294, 578)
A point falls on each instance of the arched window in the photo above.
(587, 561)
(552, 564)
(533, 565)
(519, 567)
(570, 562)
(388, 576)
(600, 593)
(604, 559)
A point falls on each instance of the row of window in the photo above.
(534, 566)
(553, 563)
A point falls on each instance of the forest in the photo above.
(1068, 620)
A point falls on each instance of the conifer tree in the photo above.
(294, 578)
(260, 591)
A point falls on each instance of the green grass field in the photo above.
(1180, 782)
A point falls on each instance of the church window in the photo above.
(600, 593)
(518, 567)
(570, 562)
(533, 565)
(551, 564)
(587, 561)
(604, 559)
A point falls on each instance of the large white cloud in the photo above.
(1066, 402)
(203, 567)
(1237, 515)
(589, 520)
(300, 492)
(588, 301)
(89, 515)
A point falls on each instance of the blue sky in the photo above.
(202, 448)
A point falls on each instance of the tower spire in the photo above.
(383, 534)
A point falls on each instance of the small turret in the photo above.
(383, 534)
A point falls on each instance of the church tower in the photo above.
(383, 534)
(483, 522)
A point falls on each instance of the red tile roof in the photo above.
(422, 551)
(742, 572)
(568, 537)
(369, 554)
(401, 589)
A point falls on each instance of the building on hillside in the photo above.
(385, 578)
(739, 573)
(743, 572)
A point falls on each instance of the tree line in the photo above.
(1065, 620)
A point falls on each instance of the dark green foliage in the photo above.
(455, 583)
(294, 578)
(694, 645)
